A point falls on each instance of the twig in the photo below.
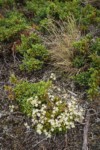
(72, 93)
(39, 142)
(66, 141)
(85, 134)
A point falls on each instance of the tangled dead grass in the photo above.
(59, 41)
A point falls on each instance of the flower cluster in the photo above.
(53, 76)
(52, 114)
(26, 125)
(11, 108)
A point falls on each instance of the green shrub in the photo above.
(14, 22)
(60, 10)
(89, 15)
(79, 61)
(34, 53)
(57, 9)
(7, 3)
(23, 90)
(82, 46)
(49, 112)
(11, 25)
(94, 84)
(83, 78)
(87, 59)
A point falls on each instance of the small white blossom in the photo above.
(52, 129)
(36, 97)
(59, 89)
(49, 135)
(36, 105)
(60, 114)
(60, 129)
(39, 131)
(26, 125)
(53, 76)
(11, 107)
(38, 114)
(30, 99)
(33, 102)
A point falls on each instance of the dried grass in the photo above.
(60, 42)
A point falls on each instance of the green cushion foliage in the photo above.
(6, 3)
(24, 89)
(11, 24)
(88, 57)
(56, 9)
(85, 16)
(33, 51)
(49, 112)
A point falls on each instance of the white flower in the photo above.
(52, 122)
(76, 119)
(44, 112)
(73, 102)
(26, 125)
(39, 102)
(39, 126)
(34, 112)
(81, 110)
(71, 117)
(38, 114)
(57, 103)
(44, 106)
(53, 76)
(45, 132)
(34, 121)
(52, 115)
(49, 135)
(60, 102)
(60, 129)
(59, 89)
(52, 129)
(33, 102)
(73, 98)
(39, 131)
(66, 119)
(51, 96)
(72, 125)
(30, 99)
(69, 104)
(56, 109)
(52, 99)
(42, 121)
(36, 97)
(11, 107)
(36, 105)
